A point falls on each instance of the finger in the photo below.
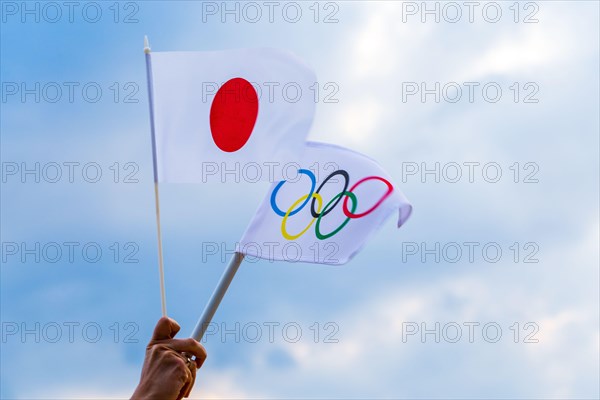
(192, 381)
(183, 391)
(187, 379)
(189, 346)
(166, 328)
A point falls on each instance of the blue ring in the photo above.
(280, 184)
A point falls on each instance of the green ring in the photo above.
(339, 228)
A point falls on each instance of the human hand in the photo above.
(168, 374)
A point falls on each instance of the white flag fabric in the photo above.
(326, 211)
(229, 115)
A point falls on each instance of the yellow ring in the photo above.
(287, 214)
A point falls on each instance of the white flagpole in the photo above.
(217, 296)
(161, 271)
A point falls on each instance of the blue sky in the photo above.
(372, 52)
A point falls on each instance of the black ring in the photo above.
(334, 173)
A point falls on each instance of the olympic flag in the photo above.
(326, 210)
(220, 111)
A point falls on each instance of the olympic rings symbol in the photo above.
(315, 198)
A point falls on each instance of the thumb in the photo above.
(166, 328)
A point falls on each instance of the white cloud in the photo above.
(562, 364)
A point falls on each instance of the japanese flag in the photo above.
(236, 114)
(326, 211)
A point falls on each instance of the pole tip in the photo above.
(146, 45)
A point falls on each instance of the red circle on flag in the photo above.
(233, 114)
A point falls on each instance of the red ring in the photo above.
(370, 210)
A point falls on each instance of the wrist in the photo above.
(142, 392)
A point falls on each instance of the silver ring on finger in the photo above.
(190, 363)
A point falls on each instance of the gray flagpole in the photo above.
(217, 296)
